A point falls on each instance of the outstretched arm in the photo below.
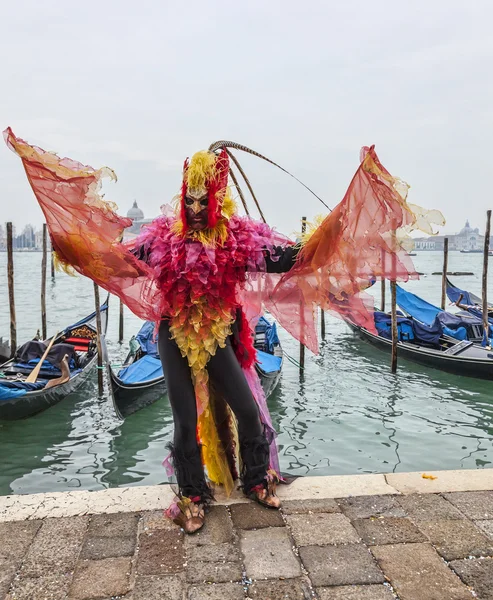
(280, 260)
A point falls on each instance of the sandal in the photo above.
(191, 514)
(265, 493)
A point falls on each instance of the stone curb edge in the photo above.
(135, 499)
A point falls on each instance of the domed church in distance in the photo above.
(138, 218)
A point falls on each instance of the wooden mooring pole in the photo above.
(99, 328)
(302, 347)
(444, 274)
(486, 325)
(43, 283)
(393, 301)
(322, 323)
(52, 260)
(10, 277)
(382, 302)
(120, 329)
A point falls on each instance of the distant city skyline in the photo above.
(307, 85)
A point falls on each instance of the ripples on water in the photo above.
(348, 415)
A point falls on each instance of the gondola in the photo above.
(432, 337)
(76, 348)
(140, 381)
(455, 294)
(457, 357)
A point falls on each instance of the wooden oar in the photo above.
(35, 372)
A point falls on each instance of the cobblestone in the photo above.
(364, 507)
(427, 507)
(218, 591)
(417, 572)
(340, 565)
(268, 554)
(161, 553)
(254, 516)
(289, 589)
(474, 505)
(295, 507)
(101, 579)
(311, 549)
(156, 587)
(457, 539)
(356, 592)
(319, 529)
(56, 547)
(478, 573)
(388, 530)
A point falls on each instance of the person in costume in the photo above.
(204, 275)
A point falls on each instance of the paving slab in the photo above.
(356, 592)
(295, 507)
(101, 579)
(48, 587)
(157, 587)
(216, 591)
(457, 539)
(214, 572)
(416, 572)
(475, 505)
(364, 507)
(161, 552)
(445, 481)
(427, 507)
(268, 554)
(340, 565)
(319, 529)
(289, 589)
(214, 553)
(477, 573)
(156, 519)
(218, 529)
(56, 547)
(7, 574)
(113, 525)
(387, 530)
(97, 548)
(16, 537)
(486, 527)
(254, 516)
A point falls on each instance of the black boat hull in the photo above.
(35, 402)
(470, 364)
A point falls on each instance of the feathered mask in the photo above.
(207, 173)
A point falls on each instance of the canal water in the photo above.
(348, 415)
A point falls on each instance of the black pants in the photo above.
(227, 377)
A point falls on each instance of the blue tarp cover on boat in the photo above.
(145, 369)
(454, 293)
(268, 362)
(7, 393)
(270, 330)
(144, 337)
(407, 329)
(417, 307)
(453, 324)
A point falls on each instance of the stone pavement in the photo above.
(411, 546)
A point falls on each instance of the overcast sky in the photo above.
(138, 86)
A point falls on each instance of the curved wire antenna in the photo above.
(240, 192)
(235, 146)
(249, 185)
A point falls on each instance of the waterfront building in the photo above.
(138, 218)
(467, 239)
